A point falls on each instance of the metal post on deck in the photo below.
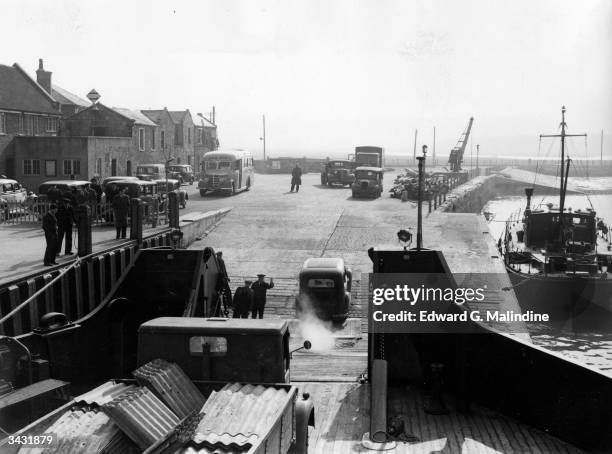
(83, 215)
(420, 199)
(136, 220)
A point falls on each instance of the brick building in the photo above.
(205, 138)
(26, 109)
(184, 134)
(166, 130)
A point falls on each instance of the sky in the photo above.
(330, 75)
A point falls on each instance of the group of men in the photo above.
(250, 298)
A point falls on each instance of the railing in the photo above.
(74, 288)
(32, 212)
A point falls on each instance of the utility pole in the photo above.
(264, 136)
(601, 148)
(477, 152)
(415, 144)
(434, 148)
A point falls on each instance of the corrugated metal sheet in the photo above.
(104, 393)
(142, 416)
(239, 416)
(171, 385)
(85, 430)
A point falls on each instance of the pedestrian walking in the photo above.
(296, 178)
(50, 229)
(260, 288)
(121, 208)
(65, 219)
(223, 280)
(243, 300)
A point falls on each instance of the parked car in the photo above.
(325, 289)
(144, 190)
(168, 185)
(181, 172)
(65, 186)
(368, 182)
(11, 191)
(151, 171)
(116, 178)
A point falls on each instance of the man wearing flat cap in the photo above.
(260, 287)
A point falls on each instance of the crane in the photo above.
(456, 154)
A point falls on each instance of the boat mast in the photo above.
(563, 184)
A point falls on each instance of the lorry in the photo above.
(196, 379)
(368, 182)
(337, 172)
(370, 156)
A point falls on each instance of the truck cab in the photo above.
(368, 182)
(337, 172)
(219, 349)
(325, 289)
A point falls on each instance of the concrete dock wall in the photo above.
(473, 195)
(193, 225)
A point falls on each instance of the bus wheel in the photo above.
(202, 192)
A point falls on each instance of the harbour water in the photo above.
(591, 349)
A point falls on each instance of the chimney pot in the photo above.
(40, 64)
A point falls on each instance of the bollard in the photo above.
(378, 405)
(136, 220)
(404, 196)
(436, 404)
(173, 210)
(429, 197)
(83, 216)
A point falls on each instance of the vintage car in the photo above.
(167, 185)
(144, 190)
(65, 186)
(324, 289)
(108, 180)
(368, 182)
(338, 172)
(151, 171)
(11, 191)
(181, 172)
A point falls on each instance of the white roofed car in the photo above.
(12, 191)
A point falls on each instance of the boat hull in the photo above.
(573, 303)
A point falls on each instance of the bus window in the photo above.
(225, 165)
(211, 165)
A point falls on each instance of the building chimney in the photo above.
(43, 77)
(214, 114)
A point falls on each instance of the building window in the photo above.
(199, 136)
(163, 140)
(31, 167)
(141, 139)
(153, 140)
(189, 136)
(51, 124)
(29, 125)
(72, 167)
(20, 124)
(2, 123)
(50, 168)
(98, 167)
(35, 129)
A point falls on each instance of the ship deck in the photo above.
(342, 417)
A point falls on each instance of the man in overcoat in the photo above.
(121, 208)
(296, 178)
(50, 229)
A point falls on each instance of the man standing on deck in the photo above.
(223, 280)
(243, 300)
(121, 208)
(260, 288)
(65, 219)
(50, 229)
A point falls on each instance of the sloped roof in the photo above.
(138, 117)
(65, 97)
(156, 115)
(202, 121)
(177, 115)
(20, 92)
